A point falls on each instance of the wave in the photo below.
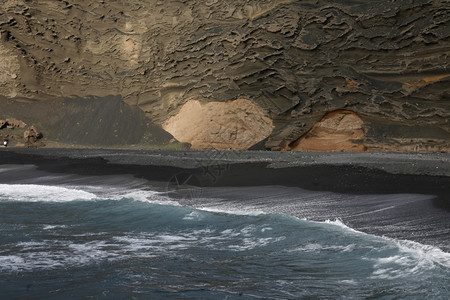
(42, 193)
(51, 193)
(129, 233)
(189, 229)
(421, 256)
(391, 251)
(236, 212)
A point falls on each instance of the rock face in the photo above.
(297, 60)
(235, 125)
(337, 131)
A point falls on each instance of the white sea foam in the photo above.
(193, 216)
(339, 223)
(349, 281)
(248, 212)
(50, 227)
(252, 243)
(318, 247)
(42, 193)
(55, 254)
(425, 253)
(266, 229)
(48, 255)
(400, 258)
(47, 193)
(141, 195)
(146, 196)
(392, 258)
(410, 258)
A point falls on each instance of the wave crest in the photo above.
(42, 193)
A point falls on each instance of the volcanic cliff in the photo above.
(351, 75)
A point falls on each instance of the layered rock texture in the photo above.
(314, 75)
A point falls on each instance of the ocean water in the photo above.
(75, 237)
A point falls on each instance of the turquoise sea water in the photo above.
(76, 241)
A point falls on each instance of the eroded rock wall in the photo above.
(387, 61)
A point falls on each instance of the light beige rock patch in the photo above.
(232, 125)
(337, 131)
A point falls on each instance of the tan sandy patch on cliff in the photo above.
(131, 47)
(237, 124)
(337, 131)
(9, 70)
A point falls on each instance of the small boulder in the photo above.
(31, 135)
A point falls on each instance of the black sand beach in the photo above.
(397, 195)
(331, 171)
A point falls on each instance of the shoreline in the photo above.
(335, 171)
(319, 186)
(434, 164)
